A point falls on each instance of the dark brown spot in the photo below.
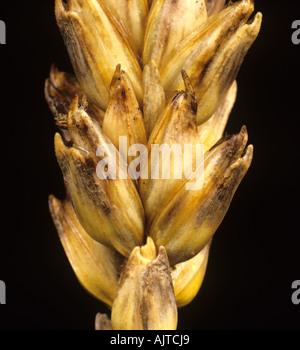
(90, 163)
(204, 69)
(231, 68)
(106, 209)
(123, 93)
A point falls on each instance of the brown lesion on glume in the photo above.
(230, 69)
(156, 282)
(85, 178)
(60, 89)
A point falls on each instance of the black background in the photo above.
(255, 253)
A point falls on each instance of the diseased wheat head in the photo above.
(147, 73)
